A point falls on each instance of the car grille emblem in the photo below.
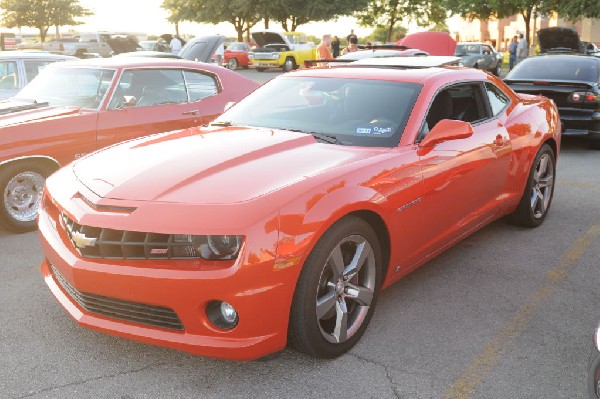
(81, 240)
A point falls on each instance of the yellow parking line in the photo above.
(464, 386)
(575, 184)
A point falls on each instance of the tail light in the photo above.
(580, 97)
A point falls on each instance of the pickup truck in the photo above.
(285, 50)
(102, 44)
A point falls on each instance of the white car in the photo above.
(17, 68)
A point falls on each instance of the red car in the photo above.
(74, 108)
(286, 217)
(236, 55)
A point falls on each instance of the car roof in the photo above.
(133, 62)
(37, 54)
(411, 75)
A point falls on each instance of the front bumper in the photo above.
(265, 63)
(260, 296)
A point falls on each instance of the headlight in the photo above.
(222, 247)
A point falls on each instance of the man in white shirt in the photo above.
(522, 49)
(175, 45)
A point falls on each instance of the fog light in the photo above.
(222, 314)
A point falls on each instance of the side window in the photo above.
(148, 87)
(462, 102)
(487, 50)
(498, 100)
(8, 75)
(199, 85)
(32, 68)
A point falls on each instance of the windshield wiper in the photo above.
(319, 136)
(222, 123)
(326, 138)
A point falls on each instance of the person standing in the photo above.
(512, 53)
(352, 46)
(522, 48)
(175, 45)
(335, 47)
(220, 53)
(350, 36)
(323, 52)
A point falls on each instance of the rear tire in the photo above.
(337, 290)
(232, 64)
(539, 189)
(22, 185)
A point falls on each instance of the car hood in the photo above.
(201, 48)
(13, 112)
(558, 37)
(210, 166)
(264, 38)
(435, 43)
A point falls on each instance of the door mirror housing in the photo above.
(447, 129)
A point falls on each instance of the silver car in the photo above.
(17, 68)
(480, 56)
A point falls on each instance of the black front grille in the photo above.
(97, 242)
(156, 316)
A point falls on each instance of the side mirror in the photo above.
(129, 101)
(447, 129)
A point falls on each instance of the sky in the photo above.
(148, 16)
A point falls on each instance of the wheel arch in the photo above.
(46, 162)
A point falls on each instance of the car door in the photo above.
(489, 57)
(464, 179)
(153, 100)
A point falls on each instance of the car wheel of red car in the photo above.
(534, 205)
(337, 290)
(232, 64)
(22, 187)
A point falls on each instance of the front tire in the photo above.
(22, 186)
(337, 290)
(537, 197)
(289, 64)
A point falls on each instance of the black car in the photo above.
(572, 81)
(564, 73)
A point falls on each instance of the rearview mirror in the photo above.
(447, 129)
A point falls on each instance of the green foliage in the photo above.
(41, 14)
(578, 9)
(389, 13)
(380, 34)
(244, 14)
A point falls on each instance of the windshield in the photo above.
(370, 113)
(74, 87)
(555, 68)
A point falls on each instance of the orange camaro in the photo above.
(284, 219)
(75, 107)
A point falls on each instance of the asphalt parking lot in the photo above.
(507, 313)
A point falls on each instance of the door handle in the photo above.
(194, 112)
(499, 142)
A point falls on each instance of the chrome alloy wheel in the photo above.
(346, 289)
(22, 196)
(543, 182)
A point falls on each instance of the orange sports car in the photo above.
(284, 219)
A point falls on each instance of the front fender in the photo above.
(304, 221)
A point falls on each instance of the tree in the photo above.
(41, 14)
(380, 34)
(389, 13)
(240, 13)
(577, 9)
(292, 13)
(484, 9)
